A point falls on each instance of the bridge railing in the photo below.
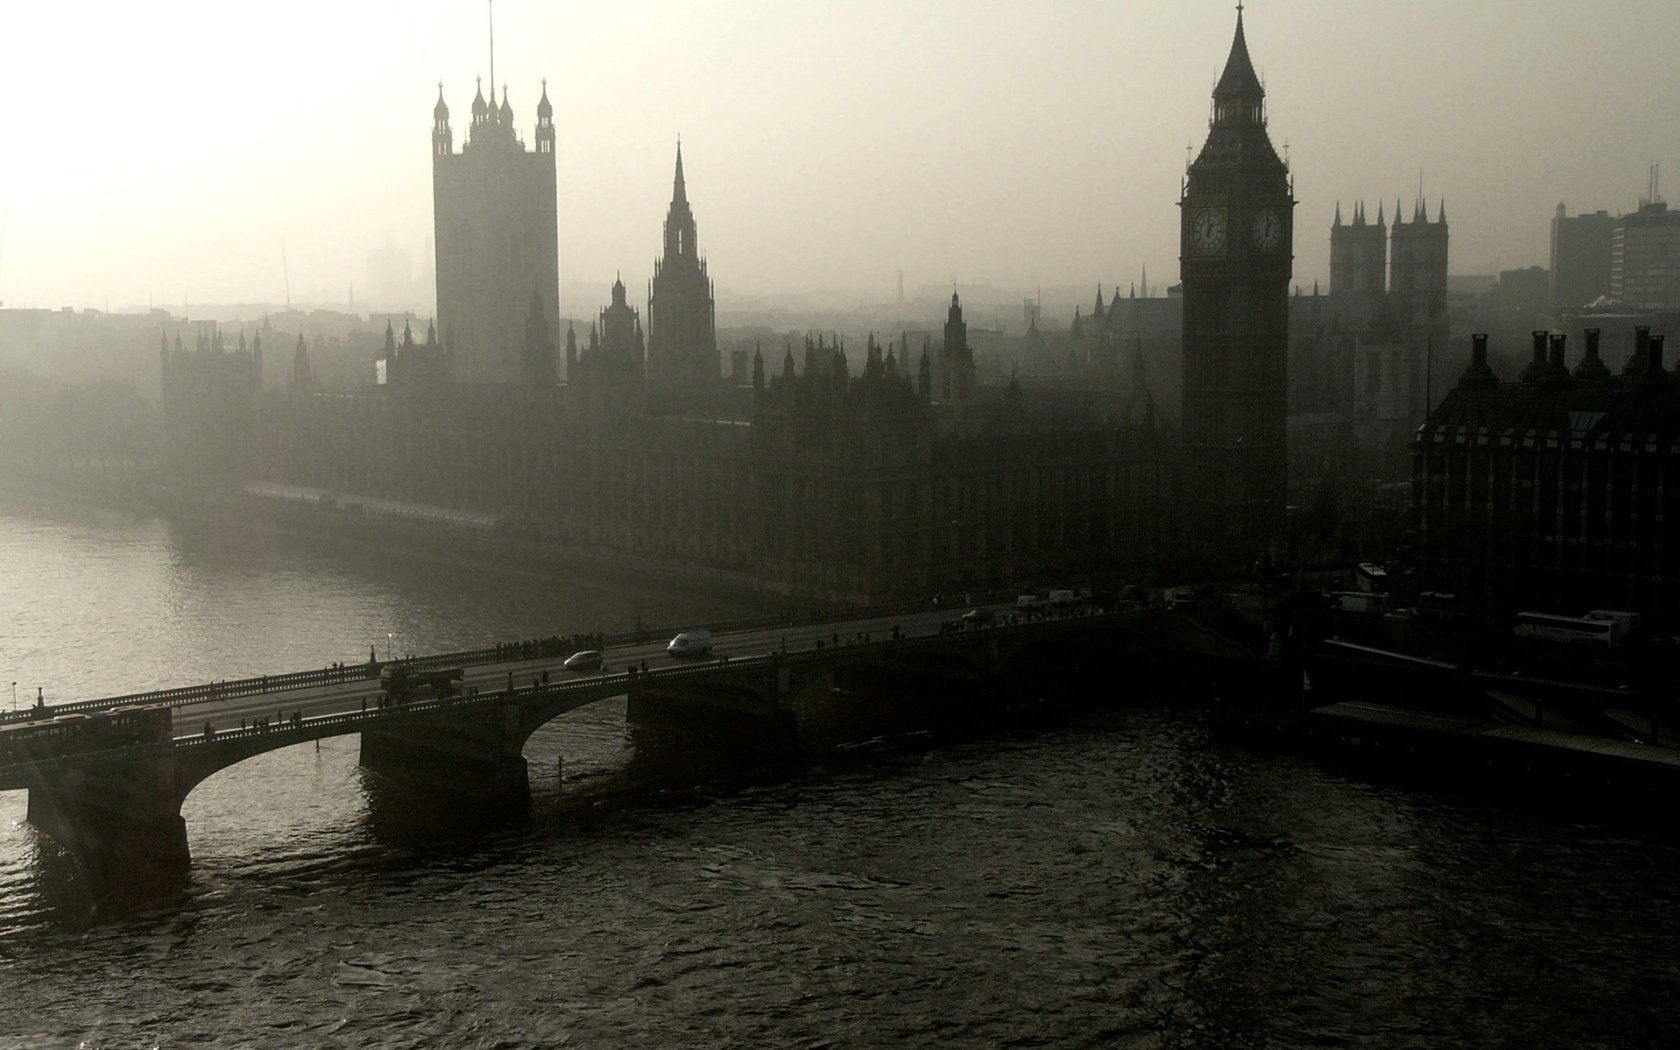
(211, 690)
(317, 726)
(524, 650)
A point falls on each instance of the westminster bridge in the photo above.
(118, 809)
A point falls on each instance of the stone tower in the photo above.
(497, 237)
(1358, 266)
(1417, 297)
(956, 358)
(682, 313)
(1236, 232)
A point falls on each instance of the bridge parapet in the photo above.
(533, 649)
(119, 809)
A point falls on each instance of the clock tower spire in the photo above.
(1235, 242)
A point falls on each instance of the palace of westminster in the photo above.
(857, 473)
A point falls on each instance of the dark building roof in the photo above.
(1552, 407)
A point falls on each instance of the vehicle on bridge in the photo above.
(80, 733)
(402, 684)
(690, 643)
(588, 660)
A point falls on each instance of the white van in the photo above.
(690, 643)
(1062, 599)
(1029, 601)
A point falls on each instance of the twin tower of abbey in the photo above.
(834, 471)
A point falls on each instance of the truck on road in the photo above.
(402, 684)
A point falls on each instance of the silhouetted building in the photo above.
(211, 401)
(1552, 491)
(682, 314)
(1645, 258)
(956, 359)
(906, 475)
(864, 486)
(1418, 291)
(1359, 268)
(1365, 354)
(608, 374)
(1580, 259)
(1236, 234)
(498, 255)
(303, 373)
(623, 346)
(407, 363)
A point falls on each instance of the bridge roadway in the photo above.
(345, 698)
(119, 810)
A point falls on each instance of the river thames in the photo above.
(1123, 872)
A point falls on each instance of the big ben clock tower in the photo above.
(1236, 232)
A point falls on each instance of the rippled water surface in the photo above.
(1118, 875)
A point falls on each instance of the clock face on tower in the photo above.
(1268, 230)
(1207, 231)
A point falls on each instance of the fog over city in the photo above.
(210, 152)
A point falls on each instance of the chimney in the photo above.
(1641, 351)
(1654, 365)
(1536, 372)
(1592, 366)
(1557, 343)
(1478, 375)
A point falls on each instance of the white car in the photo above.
(588, 660)
(690, 643)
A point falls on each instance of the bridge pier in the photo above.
(475, 755)
(122, 822)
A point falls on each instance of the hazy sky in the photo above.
(163, 150)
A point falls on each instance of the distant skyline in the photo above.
(172, 147)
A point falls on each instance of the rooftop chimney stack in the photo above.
(1537, 372)
(1641, 351)
(1592, 365)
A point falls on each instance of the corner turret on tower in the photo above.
(545, 122)
(443, 142)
